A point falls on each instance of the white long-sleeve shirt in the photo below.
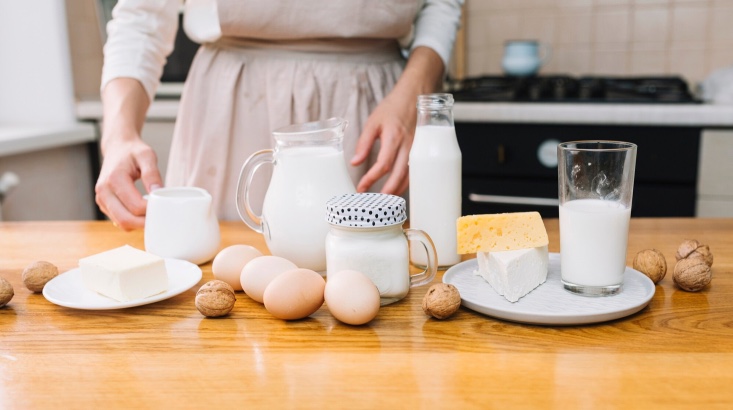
(142, 32)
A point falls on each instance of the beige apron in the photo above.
(282, 62)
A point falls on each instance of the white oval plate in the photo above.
(550, 303)
(68, 289)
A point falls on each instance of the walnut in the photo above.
(651, 262)
(6, 292)
(691, 248)
(215, 298)
(692, 274)
(37, 274)
(441, 301)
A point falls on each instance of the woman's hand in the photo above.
(125, 162)
(126, 157)
(393, 123)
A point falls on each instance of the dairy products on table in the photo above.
(511, 250)
(514, 274)
(124, 273)
(500, 232)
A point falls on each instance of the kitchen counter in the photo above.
(23, 138)
(160, 109)
(694, 115)
(699, 115)
(677, 352)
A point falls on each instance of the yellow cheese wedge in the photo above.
(500, 232)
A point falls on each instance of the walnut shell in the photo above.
(37, 274)
(651, 262)
(6, 292)
(215, 298)
(692, 274)
(692, 248)
(441, 301)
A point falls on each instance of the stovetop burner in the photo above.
(561, 88)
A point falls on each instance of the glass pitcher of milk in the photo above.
(309, 169)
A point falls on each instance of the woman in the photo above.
(264, 64)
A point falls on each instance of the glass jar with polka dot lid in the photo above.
(366, 235)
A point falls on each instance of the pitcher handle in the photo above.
(249, 168)
(431, 269)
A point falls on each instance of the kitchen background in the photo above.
(608, 37)
(55, 82)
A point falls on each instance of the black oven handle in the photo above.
(512, 200)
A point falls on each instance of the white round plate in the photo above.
(68, 289)
(549, 303)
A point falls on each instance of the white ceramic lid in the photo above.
(366, 210)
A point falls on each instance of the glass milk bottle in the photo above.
(435, 178)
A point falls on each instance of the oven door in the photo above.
(512, 167)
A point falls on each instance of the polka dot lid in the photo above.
(365, 210)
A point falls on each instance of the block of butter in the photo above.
(500, 232)
(514, 274)
(124, 273)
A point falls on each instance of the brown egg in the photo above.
(228, 263)
(294, 294)
(259, 272)
(352, 297)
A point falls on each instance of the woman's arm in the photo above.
(126, 157)
(140, 36)
(393, 122)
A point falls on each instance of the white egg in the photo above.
(228, 263)
(259, 272)
(352, 297)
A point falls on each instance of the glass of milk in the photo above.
(595, 188)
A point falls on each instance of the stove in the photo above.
(512, 166)
(567, 89)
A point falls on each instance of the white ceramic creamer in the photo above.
(435, 179)
(180, 223)
(309, 169)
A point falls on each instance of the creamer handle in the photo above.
(249, 168)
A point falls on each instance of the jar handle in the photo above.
(249, 168)
(431, 269)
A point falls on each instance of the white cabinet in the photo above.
(55, 184)
(54, 170)
(715, 174)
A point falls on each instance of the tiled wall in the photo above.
(614, 37)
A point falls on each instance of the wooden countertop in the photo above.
(677, 352)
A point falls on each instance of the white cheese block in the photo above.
(514, 274)
(124, 273)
